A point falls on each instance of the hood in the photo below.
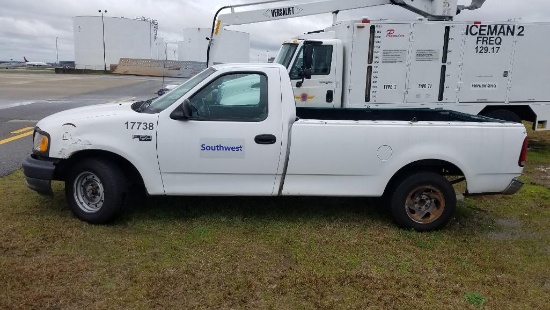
(102, 126)
(89, 112)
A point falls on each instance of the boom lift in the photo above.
(431, 9)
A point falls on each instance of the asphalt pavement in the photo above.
(27, 98)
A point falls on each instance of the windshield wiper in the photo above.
(140, 106)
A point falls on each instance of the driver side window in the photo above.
(238, 97)
(322, 62)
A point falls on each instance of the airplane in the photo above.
(34, 63)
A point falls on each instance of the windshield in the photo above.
(285, 54)
(168, 99)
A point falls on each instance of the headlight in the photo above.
(41, 142)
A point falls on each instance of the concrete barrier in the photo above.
(151, 67)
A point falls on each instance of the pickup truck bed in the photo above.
(411, 115)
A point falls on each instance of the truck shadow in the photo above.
(262, 208)
(319, 210)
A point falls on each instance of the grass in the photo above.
(475, 299)
(280, 253)
(538, 170)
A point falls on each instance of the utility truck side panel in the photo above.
(531, 60)
(471, 67)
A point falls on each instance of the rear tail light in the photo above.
(523, 154)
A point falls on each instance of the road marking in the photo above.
(21, 133)
(22, 121)
(22, 130)
(17, 104)
(16, 137)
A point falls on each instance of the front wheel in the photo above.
(95, 190)
(423, 201)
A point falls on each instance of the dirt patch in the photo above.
(510, 229)
(541, 176)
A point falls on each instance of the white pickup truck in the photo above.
(235, 130)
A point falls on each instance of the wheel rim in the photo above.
(425, 204)
(88, 192)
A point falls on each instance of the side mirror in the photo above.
(182, 112)
(307, 73)
(308, 56)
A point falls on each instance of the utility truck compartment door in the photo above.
(390, 63)
(488, 50)
(434, 63)
(529, 80)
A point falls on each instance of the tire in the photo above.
(423, 202)
(505, 115)
(95, 190)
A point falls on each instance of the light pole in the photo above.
(103, 24)
(56, 51)
(157, 45)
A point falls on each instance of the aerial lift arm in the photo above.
(431, 9)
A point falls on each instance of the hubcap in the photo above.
(88, 192)
(425, 204)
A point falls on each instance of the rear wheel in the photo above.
(505, 115)
(423, 201)
(95, 190)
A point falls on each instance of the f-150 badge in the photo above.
(142, 137)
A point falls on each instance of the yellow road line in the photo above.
(16, 137)
(22, 130)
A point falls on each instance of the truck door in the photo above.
(231, 145)
(324, 88)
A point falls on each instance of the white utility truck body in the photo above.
(235, 130)
(496, 69)
(471, 67)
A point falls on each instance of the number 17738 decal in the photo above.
(139, 126)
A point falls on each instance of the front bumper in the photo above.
(39, 173)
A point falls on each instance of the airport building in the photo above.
(133, 47)
(123, 38)
(195, 44)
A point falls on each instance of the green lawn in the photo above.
(280, 253)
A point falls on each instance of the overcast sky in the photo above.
(29, 27)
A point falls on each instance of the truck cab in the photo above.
(324, 88)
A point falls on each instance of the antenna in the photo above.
(164, 63)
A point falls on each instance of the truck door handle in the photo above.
(330, 95)
(265, 139)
